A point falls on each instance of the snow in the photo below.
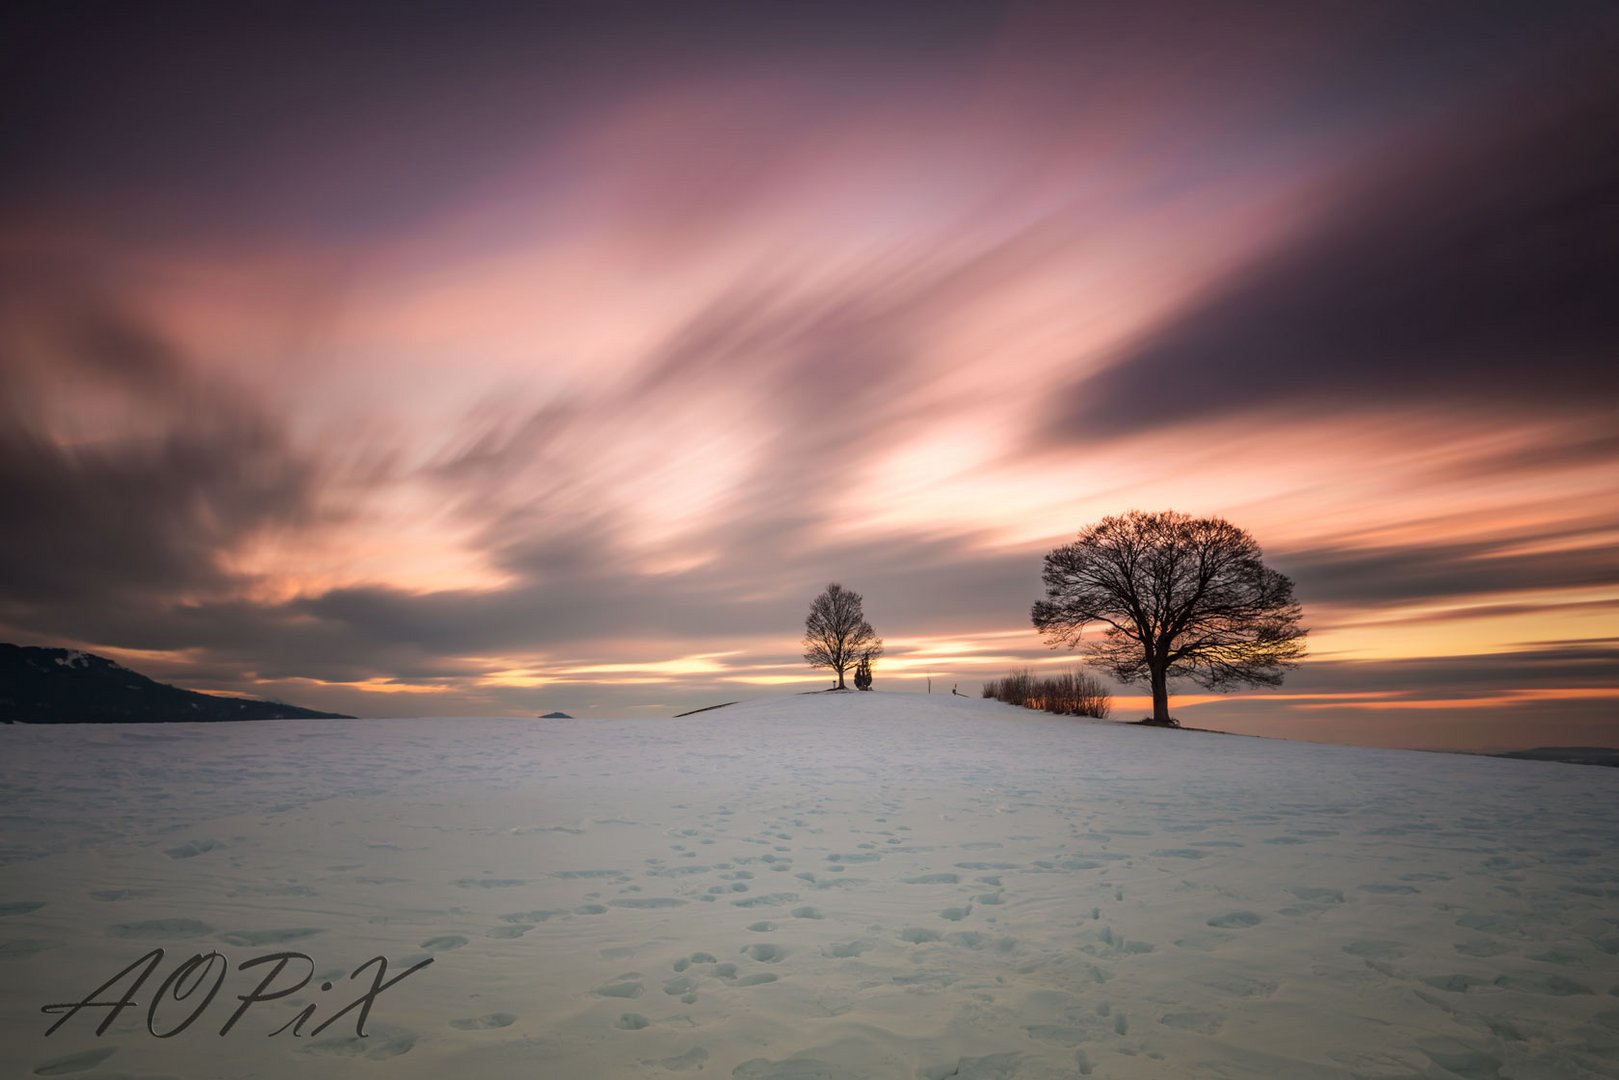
(836, 885)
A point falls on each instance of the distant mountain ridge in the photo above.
(1569, 755)
(66, 686)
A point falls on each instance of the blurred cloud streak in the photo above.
(556, 359)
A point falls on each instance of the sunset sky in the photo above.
(454, 359)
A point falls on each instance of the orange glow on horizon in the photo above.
(1506, 697)
(374, 686)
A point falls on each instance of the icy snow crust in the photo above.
(856, 885)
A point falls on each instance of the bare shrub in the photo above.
(1071, 693)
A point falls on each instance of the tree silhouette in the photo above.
(836, 632)
(1174, 596)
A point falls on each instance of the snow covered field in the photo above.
(859, 885)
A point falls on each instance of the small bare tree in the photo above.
(1174, 596)
(836, 633)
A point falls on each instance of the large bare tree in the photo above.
(1173, 596)
(836, 633)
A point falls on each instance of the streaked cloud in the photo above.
(557, 361)
(1459, 256)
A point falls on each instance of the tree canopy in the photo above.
(1173, 596)
(836, 633)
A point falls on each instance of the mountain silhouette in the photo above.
(66, 686)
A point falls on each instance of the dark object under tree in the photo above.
(1174, 597)
(862, 673)
(836, 633)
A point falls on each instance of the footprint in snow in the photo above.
(20, 907)
(74, 1063)
(381, 1042)
(1235, 920)
(255, 938)
(443, 943)
(159, 929)
(625, 989)
(516, 930)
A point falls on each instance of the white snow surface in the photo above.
(820, 886)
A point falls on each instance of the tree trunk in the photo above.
(840, 685)
(1160, 696)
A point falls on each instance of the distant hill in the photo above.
(64, 686)
(556, 716)
(1572, 755)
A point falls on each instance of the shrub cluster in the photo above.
(1072, 693)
